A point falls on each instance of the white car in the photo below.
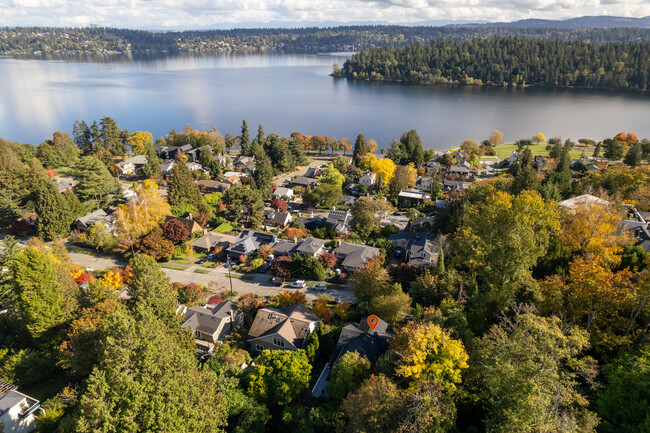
(300, 284)
(320, 287)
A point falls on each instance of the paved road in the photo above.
(317, 162)
(260, 285)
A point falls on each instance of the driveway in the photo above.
(260, 284)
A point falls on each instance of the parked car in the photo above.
(265, 267)
(277, 281)
(300, 284)
(320, 287)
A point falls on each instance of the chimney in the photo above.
(295, 239)
(189, 217)
(205, 231)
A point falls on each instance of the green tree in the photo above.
(365, 219)
(245, 205)
(634, 155)
(360, 148)
(9, 209)
(82, 138)
(396, 151)
(613, 149)
(111, 135)
(332, 176)
(530, 373)
(312, 347)
(414, 152)
(152, 167)
(94, 182)
(244, 140)
(138, 387)
(46, 293)
(371, 281)
(348, 373)
(281, 157)
(392, 307)
(54, 214)
(297, 150)
(279, 376)
(150, 286)
(263, 176)
(181, 189)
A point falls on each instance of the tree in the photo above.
(307, 267)
(634, 155)
(412, 148)
(46, 293)
(496, 138)
(360, 148)
(245, 205)
(81, 133)
(367, 161)
(281, 267)
(311, 347)
(279, 205)
(364, 215)
(385, 170)
(101, 237)
(471, 149)
(287, 298)
(95, 182)
(152, 167)
(150, 287)
(138, 387)
(140, 142)
(502, 239)
(9, 209)
(328, 260)
(405, 177)
(374, 406)
(54, 214)
(426, 352)
(279, 376)
(181, 188)
(392, 307)
(396, 151)
(244, 140)
(297, 150)
(322, 310)
(348, 373)
(539, 138)
(175, 231)
(613, 149)
(111, 135)
(263, 176)
(332, 176)
(371, 281)
(530, 369)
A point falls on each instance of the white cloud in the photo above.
(211, 13)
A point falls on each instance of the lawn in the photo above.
(189, 258)
(174, 266)
(504, 151)
(201, 271)
(223, 228)
(243, 277)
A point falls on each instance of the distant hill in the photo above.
(594, 22)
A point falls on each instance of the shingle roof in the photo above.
(208, 319)
(311, 246)
(355, 255)
(292, 323)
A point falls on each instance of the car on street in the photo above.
(320, 287)
(265, 267)
(300, 284)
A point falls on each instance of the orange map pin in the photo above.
(373, 321)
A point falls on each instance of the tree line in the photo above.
(507, 61)
(27, 40)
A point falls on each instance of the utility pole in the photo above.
(229, 276)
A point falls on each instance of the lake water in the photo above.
(287, 93)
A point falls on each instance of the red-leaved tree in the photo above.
(175, 231)
(279, 205)
(281, 267)
(328, 260)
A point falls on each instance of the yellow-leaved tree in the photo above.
(367, 161)
(140, 141)
(384, 169)
(425, 351)
(140, 215)
(112, 280)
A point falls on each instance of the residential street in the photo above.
(260, 285)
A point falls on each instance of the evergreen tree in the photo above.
(96, 142)
(297, 151)
(261, 138)
(613, 149)
(111, 135)
(9, 209)
(244, 140)
(396, 151)
(440, 266)
(150, 286)
(82, 136)
(360, 148)
(526, 177)
(413, 150)
(75, 206)
(597, 150)
(278, 151)
(263, 176)
(181, 188)
(634, 155)
(95, 182)
(54, 215)
(152, 167)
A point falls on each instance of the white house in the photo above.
(368, 178)
(283, 192)
(16, 409)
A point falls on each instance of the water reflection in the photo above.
(287, 93)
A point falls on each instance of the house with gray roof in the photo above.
(360, 338)
(401, 240)
(138, 160)
(305, 182)
(340, 220)
(282, 192)
(17, 410)
(248, 242)
(368, 178)
(354, 256)
(412, 195)
(277, 219)
(212, 323)
(284, 328)
(211, 240)
(84, 223)
(423, 252)
(312, 246)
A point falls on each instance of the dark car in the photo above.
(264, 268)
(277, 281)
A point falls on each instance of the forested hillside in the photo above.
(508, 61)
(309, 40)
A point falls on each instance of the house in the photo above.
(412, 196)
(582, 200)
(455, 185)
(401, 240)
(212, 323)
(277, 219)
(284, 328)
(84, 223)
(312, 246)
(166, 167)
(64, 184)
(354, 256)
(283, 193)
(431, 167)
(243, 161)
(312, 172)
(193, 155)
(310, 223)
(423, 252)
(368, 178)
(248, 242)
(230, 174)
(138, 161)
(365, 338)
(460, 169)
(211, 240)
(189, 223)
(125, 168)
(340, 220)
(421, 223)
(423, 183)
(399, 221)
(16, 409)
(347, 200)
(224, 160)
(191, 166)
(168, 152)
(304, 182)
(185, 148)
(207, 186)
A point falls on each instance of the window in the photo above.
(259, 347)
(278, 342)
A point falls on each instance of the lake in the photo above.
(287, 93)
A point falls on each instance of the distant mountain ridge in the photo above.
(587, 22)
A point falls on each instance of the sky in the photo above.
(192, 14)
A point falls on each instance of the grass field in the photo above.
(243, 277)
(173, 266)
(223, 228)
(504, 151)
(201, 271)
